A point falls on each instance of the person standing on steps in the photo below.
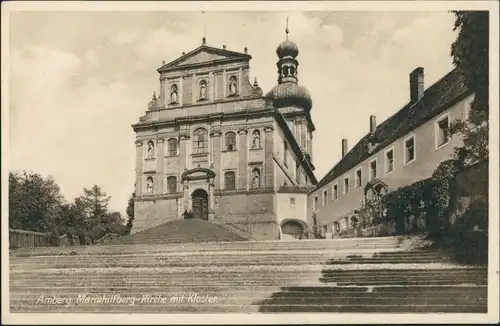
(185, 215)
(190, 214)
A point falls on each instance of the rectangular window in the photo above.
(346, 185)
(335, 192)
(359, 176)
(373, 169)
(172, 185)
(389, 161)
(409, 149)
(230, 180)
(442, 129)
(315, 203)
(292, 201)
(325, 197)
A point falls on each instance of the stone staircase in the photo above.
(182, 231)
(344, 275)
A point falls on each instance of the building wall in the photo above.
(285, 209)
(150, 213)
(252, 205)
(427, 160)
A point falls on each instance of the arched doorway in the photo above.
(200, 204)
(293, 229)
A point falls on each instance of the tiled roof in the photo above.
(437, 98)
(295, 189)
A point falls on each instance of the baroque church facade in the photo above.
(212, 145)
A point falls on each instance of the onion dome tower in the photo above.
(288, 92)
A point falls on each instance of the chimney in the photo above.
(373, 124)
(344, 146)
(204, 41)
(224, 46)
(416, 84)
(246, 50)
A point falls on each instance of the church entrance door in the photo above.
(200, 204)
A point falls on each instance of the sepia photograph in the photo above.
(237, 162)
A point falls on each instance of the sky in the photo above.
(79, 80)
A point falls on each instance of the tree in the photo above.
(34, 202)
(470, 56)
(130, 213)
(96, 205)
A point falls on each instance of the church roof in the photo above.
(436, 99)
(288, 94)
(203, 55)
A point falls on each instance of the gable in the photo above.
(204, 54)
(201, 57)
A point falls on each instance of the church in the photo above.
(212, 145)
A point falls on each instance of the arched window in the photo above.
(173, 94)
(200, 141)
(149, 185)
(172, 147)
(172, 184)
(150, 149)
(256, 139)
(230, 141)
(230, 180)
(203, 90)
(233, 89)
(285, 71)
(292, 71)
(256, 178)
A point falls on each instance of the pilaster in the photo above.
(216, 153)
(180, 97)
(224, 83)
(195, 91)
(183, 151)
(139, 152)
(268, 158)
(160, 158)
(163, 92)
(240, 81)
(210, 90)
(243, 159)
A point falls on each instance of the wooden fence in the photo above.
(27, 239)
(30, 239)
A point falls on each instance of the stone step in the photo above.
(330, 275)
(262, 291)
(313, 255)
(250, 273)
(210, 308)
(223, 246)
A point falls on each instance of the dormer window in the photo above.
(173, 94)
(203, 90)
(233, 89)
